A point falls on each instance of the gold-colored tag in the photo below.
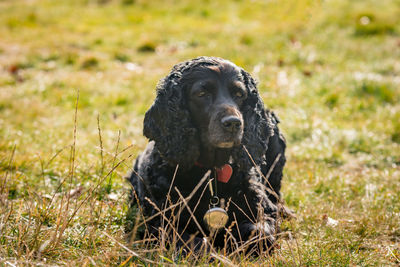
(216, 218)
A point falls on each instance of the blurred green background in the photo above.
(330, 70)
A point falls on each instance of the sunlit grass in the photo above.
(329, 69)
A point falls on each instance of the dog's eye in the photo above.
(202, 93)
(239, 94)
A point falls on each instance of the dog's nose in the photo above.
(231, 123)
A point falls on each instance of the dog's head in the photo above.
(214, 96)
(207, 102)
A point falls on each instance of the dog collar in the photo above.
(224, 173)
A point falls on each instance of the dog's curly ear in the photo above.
(168, 123)
(258, 127)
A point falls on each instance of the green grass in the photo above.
(329, 69)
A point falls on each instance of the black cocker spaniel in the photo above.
(214, 149)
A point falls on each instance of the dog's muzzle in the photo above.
(226, 128)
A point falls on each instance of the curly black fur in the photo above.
(175, 141)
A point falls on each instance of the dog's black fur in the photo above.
(208, 113)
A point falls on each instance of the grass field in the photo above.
(76, 77)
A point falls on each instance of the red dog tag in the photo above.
(224, 173)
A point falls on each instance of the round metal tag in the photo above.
(215, 218)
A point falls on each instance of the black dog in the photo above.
(208, 115)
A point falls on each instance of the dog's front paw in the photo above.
(263, 231)
(261, 237)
